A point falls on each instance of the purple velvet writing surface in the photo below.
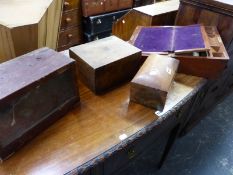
(189, 37)
(154, 39)
(169, 39)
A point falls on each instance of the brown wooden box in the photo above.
(162, 13)
(151, 84)
(209, 64)
(106, 63)
(36, 89)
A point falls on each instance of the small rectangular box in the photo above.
(106, 63)
(36, 90)
(151, 84)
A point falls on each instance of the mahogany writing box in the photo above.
(36, 89)
(106, 63)
(208, 63)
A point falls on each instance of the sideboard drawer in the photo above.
(71, 4)
(71, 19)
(70, 37)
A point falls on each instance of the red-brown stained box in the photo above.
(106, 63)
(35, 90)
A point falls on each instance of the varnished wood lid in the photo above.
(104, 51)
(157, 72)
(159, 8)
(21, 72)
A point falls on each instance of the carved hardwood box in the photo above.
(151, 84)
(36, 90)
(106, 63)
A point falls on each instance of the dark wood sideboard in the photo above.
(71, 32)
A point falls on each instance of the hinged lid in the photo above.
(22, 71)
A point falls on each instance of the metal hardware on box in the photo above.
(131, 154)
(99, 21)
(114, 17)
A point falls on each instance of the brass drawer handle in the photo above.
(98, 21)
(70, 36)
(68, 20)
(67, 4)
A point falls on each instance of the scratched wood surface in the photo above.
(89, 130)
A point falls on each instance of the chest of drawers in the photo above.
(71, 32)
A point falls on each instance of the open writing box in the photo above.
(208, 60)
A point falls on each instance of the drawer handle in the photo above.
(67, 4)
(131, 154)
(70, 36)
(68, 20)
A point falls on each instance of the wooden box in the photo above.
(162, 13)
(36, 90)
(208, 64)
(28, 25)
(151, 84)
(106, 63)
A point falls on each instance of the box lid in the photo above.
(104, 51)
(159, 8)
(22, 71)
(157, 72)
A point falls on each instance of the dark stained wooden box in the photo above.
(151, 84)
(106, 63)
(36, 89)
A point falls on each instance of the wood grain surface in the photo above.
(102, 70)
(28, 25)
(89, 130)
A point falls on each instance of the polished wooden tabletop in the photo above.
(88, 130)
